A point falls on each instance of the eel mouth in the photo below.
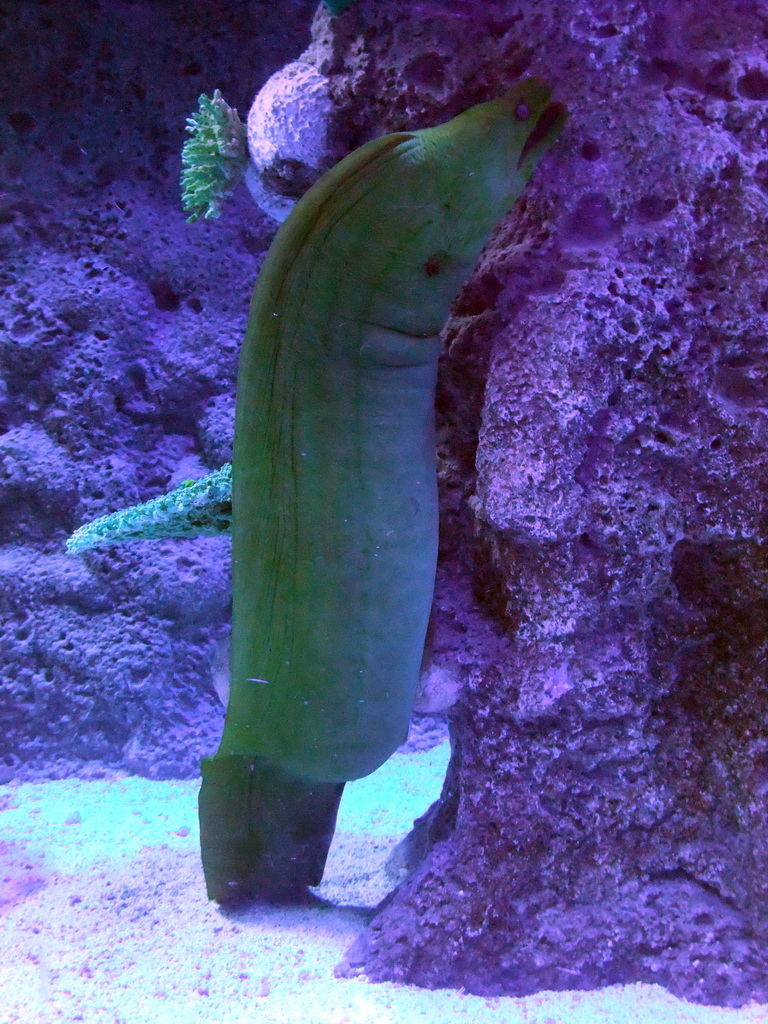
(547, 128)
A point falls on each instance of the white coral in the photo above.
(288, 121)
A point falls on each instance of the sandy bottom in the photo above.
(103, 919)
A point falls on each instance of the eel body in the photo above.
(335, 515)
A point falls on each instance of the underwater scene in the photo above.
(383, 517)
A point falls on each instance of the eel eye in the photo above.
(523, 112)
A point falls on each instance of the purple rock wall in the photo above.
(603, 467)
(119, 330)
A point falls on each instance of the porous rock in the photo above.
(603, 465)
(119, 330)
(288, 137)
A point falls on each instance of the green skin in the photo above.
(335, 515)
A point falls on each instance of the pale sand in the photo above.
(103, 919)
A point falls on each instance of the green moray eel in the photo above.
(332, 493)
(334, 498)
(334, 486)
